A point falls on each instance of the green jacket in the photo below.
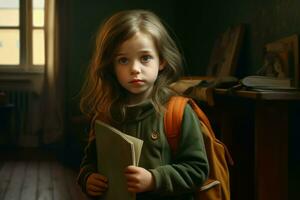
(176, 176)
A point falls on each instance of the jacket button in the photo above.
(154, 135)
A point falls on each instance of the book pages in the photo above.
(116, 151)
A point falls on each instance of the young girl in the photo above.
(133, 65)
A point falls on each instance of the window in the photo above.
(22, 35)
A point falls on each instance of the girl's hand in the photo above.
(139, 179)
(96, 184)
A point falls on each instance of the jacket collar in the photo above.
(132, 112)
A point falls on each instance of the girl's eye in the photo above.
(146, 58)
(123, 61)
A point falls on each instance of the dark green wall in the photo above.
(265, 20)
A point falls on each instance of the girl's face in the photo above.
(137, 65)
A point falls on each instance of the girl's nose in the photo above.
(136, 68)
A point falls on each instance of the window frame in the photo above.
(26, 38)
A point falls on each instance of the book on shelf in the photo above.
(267, 82)
(115, 151)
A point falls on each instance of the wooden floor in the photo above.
(32, 175)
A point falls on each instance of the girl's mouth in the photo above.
(136, 81)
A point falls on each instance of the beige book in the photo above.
(115, 151)
(266, 82)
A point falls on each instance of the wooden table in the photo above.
(256, 125)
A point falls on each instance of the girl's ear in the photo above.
(162, 65)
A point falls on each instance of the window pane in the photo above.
(9, 47)
(9, 12)
(38, 47)
(38, 13)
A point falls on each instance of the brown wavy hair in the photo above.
(101, 89)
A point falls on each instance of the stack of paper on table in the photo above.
(116, 151)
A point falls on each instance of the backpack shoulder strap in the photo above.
(201, 116)
(172, 120)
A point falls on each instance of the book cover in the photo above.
(116, 151)
(266, 82)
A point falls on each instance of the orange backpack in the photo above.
(217, 186)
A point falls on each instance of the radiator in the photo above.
(26, 115)
(21, 100)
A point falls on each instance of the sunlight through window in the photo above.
(22, 34)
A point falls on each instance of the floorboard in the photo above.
(45, 184)
(60, 187)
(29, 189)
(32, 174)
(14, 187)
(5, 174)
